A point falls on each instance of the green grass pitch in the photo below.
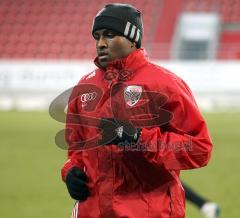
(30, 163)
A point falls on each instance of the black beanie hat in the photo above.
(122, 18)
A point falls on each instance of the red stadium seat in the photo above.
(62, 29)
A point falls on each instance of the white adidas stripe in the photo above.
(75, 210)
(133, 31)
(126, 31)
(137, 36)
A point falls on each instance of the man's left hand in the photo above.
(118, 132)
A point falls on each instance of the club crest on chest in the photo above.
(132, 94)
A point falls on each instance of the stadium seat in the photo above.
(48, 27)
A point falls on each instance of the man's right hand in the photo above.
(76, 181)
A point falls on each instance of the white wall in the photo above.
(32, 85)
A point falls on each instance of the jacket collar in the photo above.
(124, 68)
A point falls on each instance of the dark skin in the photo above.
(111, 46)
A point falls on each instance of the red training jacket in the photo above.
(140, 181)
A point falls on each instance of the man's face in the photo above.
(111, 46)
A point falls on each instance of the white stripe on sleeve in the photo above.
(77, 209)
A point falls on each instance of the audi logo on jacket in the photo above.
(137, 181)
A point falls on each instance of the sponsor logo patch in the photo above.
(90, 96)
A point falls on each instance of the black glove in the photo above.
(118, 132)
(76, 180)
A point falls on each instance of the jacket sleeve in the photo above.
(185, 142)
(72, 135)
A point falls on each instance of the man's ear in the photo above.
(133, 44)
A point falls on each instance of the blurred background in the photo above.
(46, 47)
